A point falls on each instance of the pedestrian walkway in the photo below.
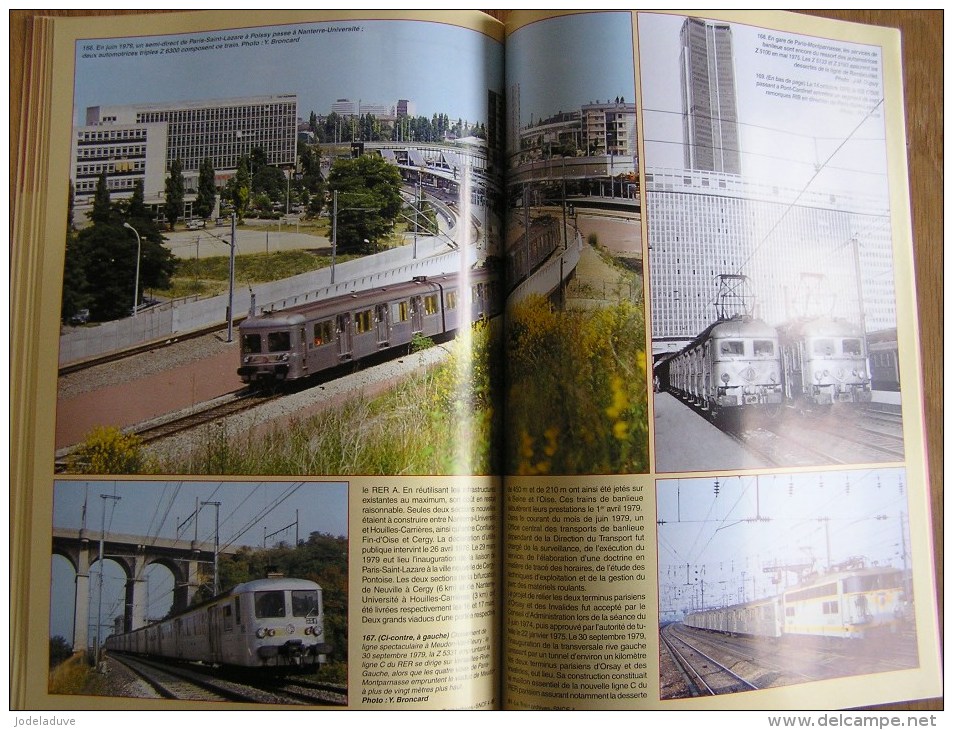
(685, 441)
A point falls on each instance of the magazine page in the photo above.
(716, 492)
(259, 461)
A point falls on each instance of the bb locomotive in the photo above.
(267, 623)
(850, 604)
(301, 341)
(732, 366)
(825, 362)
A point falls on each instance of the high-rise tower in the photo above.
(709, 102)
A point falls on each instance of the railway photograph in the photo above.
(771, 251)
(207, 591)
(270, 279)
(783, 579)
(576, 395)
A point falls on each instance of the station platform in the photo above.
(687, 442)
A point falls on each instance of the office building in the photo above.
(709, 101)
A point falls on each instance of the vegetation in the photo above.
(369, 201)
(107, 450)
(209, 276)
(101, 259)
(576, 390)
(75, 677)
(441, 421)
(174, 194)
(238, 188)
(206, 194)
(60, 650)
(369, 128)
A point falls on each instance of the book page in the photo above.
(264, 446)
(771, 550)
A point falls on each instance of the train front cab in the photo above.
(271, 351)
(824, 366)
(744, 369)
(288, 626)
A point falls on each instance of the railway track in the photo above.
(194, 682)
(704, 675)
(773, 662)
(202, 414)
(794, 440)
(119, 355)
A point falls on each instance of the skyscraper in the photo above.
(709, 103)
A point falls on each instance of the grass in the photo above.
(209, 276)
(74, 677)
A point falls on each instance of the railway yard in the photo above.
(695, 663)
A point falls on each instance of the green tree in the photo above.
(74, 296)
(102, 209)
(174, 194)
(368, 200)
(60, 650)
(205, 200)
(101, 259)
(238, 188)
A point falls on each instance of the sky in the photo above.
(563, 63)
(441, 68)
(717, 538)
(248, 511)
(782, 140)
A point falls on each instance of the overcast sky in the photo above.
(441, 68)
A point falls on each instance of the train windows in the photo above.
(823, 347)
(269, 604)
(830, 607)
(362, 321)
(877, 581)
(400, 311)
(251, 344)
(323, 333)
(305, 603)
(430, 304)
(227, 617)
(451, 299)
(238, 610)
(853, 347)
(279, 341)
(732, 347)
(763, 348)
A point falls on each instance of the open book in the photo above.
(391, 375)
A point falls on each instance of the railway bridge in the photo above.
(133, 554)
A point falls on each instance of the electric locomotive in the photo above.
(847, 604)
(825, 362)
(732, 366)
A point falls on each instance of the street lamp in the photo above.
(135, 300)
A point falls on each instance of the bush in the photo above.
(107, 450)
(576, 390)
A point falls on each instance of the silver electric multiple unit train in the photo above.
(301, 341)
(272, 622)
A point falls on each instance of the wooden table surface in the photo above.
(923, 90)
